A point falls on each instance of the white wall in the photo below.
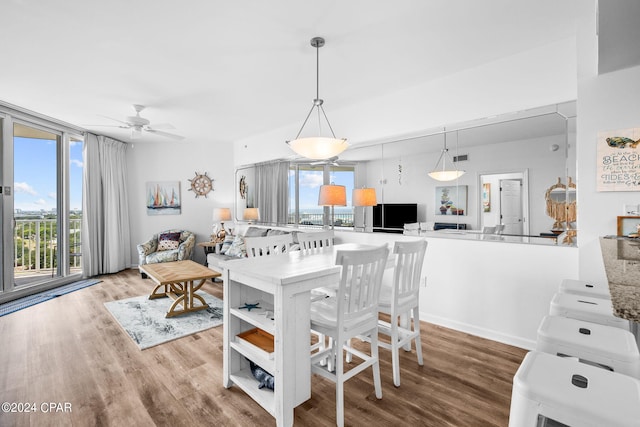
(178, 161)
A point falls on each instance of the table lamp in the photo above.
(251, 214)
(364, 197)
(332, 195)
(221, 215)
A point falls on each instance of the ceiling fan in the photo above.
(333, 161)
(139, 124)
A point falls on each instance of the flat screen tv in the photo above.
(393, 216)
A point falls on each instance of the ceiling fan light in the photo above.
(318, 148)
(136, 132)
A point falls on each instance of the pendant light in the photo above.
(318, 147)
(444, 173)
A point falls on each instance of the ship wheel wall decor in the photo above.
(201, 184)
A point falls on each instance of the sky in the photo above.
(35, 174)
(310, 182)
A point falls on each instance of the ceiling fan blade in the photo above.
(119, 121)
(162, 126)
(107, 126)
(167, 134)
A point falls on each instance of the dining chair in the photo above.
(320, 239)
(308, 243)
(268, 245)
(352, 312)
(399, 298)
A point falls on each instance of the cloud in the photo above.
(311, 180)
(52, 195)
(23, 187)
(41, 202)
(77, 162)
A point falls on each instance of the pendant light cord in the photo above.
(317, 102)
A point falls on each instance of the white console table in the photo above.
(281, 285)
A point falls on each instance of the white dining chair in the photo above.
(400, 299)
(268, 245)
(352, 312)
(317, 240)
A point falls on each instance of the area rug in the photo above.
(145, 322)
(28, 301)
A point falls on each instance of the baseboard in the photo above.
(479, 332)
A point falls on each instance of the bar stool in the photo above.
(596, 310)
(583, 287)
(576, 394)
(604, 346)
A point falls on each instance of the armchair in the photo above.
(148, 252)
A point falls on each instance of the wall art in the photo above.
(618, 160)
(451, 200)
(486, 197)
(163, 198)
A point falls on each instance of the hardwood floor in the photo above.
(70, 350)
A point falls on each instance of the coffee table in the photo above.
(179, 280)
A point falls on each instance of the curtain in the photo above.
(106, 240)
(272, 192)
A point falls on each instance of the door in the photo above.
(35, 204)
(41, 206)
(511, 206)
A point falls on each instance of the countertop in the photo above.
(621, 257)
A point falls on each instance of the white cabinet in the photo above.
(281, 284)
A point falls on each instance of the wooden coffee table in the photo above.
(179, 280)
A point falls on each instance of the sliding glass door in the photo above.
(41, 206)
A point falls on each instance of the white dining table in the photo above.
(280, 285)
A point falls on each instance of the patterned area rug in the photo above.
(145, 322)
(20, 303)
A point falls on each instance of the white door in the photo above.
(511, 206)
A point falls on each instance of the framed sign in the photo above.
(619, 160)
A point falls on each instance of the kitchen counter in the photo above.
(621, 257)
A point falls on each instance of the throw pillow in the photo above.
(228, 240)
(168, 241)
(237, 248)
(256, 232)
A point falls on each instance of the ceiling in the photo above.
(220, 71)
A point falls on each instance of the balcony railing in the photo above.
(316, 219)
(36, 244)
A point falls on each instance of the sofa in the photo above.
(233, 247)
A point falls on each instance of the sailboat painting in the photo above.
(163, 198)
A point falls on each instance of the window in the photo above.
(304, 185)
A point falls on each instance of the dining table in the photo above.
(273, 294)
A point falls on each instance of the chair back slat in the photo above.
(360, 285)
(268, 245)
(408, 270)
(317, 240)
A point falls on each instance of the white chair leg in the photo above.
(339, 387)
(349, 356)
(331, 360)
(416, 327)
(405, 322)
(376, 365)
(395, 357)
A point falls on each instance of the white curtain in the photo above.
(106, 240)
(272, 192)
